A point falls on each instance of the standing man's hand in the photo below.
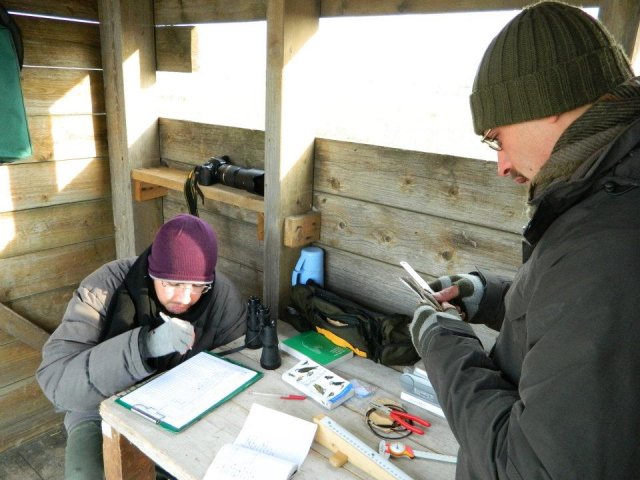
(174, 335)
(464, 290)
(426, 316)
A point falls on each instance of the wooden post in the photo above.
(129, 70)
(622, 19)
(289, 135)
(122, 459)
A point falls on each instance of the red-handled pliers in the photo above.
(402, 418)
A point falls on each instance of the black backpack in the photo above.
(383, 338)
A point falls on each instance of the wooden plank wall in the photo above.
(186, 144)
(378, 205)
(56, 222)
(440, 213)
(442, 220)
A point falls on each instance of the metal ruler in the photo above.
(339, 440)
(416, 277)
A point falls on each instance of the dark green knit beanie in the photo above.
(551, 58)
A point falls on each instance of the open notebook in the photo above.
(271, 445)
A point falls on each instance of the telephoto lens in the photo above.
(254, 324)
(270, 358)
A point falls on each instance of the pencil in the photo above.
(280, 396)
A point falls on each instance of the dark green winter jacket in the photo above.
(559, 394)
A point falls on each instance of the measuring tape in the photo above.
(338, 439)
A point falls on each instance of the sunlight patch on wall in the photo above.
(66, 172)
(299, 75)
(6, 202)
(7, 230)
(75, 100)
(73, 136)
(141, 99)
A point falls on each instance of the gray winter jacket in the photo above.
(77, 372)
(558, 396)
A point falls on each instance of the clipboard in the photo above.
(179, 397)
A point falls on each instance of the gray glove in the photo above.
(470, 288)
(174, 335)
(424, 317)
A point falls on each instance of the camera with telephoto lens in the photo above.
(220, 170)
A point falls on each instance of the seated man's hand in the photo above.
(174, 335)
(464, 290)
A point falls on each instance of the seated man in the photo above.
(112, 335)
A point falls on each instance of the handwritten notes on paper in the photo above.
(271, 445)
(184, 393)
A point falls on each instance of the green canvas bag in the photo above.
(15, 142)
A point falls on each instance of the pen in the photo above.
(279, 395)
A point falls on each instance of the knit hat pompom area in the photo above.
(185, 249)
(551, 58)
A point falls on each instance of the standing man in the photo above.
(558, 395)
(112, 335)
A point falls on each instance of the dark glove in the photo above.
(424, 317)
(470, 288)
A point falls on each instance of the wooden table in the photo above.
(132, 444)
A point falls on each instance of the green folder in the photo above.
(15, 142)
(183, 395)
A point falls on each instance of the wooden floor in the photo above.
(39, 459)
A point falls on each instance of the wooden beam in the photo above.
(25, 413)
(339, 8)
(26, 275)
(172, 12)
(194, 143)
(622, 19)
(122, 459)
(67, 137)
(289, 135)
(177, 49)
(60, 91)
(128, 58)
(88, 179)
(59, 43)
(22, 329)
(86, 10)
(31, 230)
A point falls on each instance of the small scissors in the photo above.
(402, 418)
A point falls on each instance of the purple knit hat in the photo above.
(185, 250)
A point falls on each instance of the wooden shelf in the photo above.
(151, 183)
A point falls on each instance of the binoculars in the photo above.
(262, 332)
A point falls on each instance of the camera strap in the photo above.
(231, 350)
(192, 192)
